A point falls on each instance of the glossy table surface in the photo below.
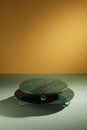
(35, 117)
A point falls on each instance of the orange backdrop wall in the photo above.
(43, 36)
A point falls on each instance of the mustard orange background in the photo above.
(43, 36)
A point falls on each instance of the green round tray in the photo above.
(38, 88)
(63, 97)
(42, 85)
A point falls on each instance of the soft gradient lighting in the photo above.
(43, 36)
